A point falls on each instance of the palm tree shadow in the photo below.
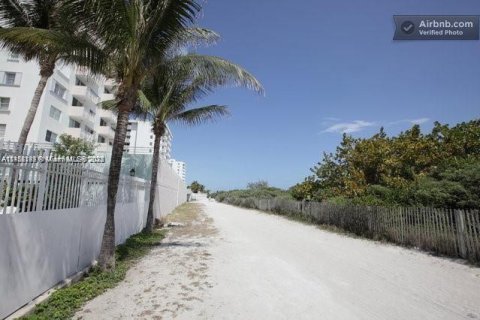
(181, 244)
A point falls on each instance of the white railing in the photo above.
(28, 184)
(29, 148)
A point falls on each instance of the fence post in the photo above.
(41, 187)
(460, 223)
(369, 219)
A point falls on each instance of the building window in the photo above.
(74, 124)
(50, 136)
(101, 139)
(151, 144)
(59, 90)
(76, 102)
(103, 123)
(79, 82)
(55, 113)
(13, 57)
(4, 103)
(3, 128)
(9, 78)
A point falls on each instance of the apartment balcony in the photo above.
(106, 131)
(86, 92)
(107, 115)
(81, 114)
(103, 147)
(80, 91)
(80, 133)
(108, 96)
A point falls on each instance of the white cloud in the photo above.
(349, 127)
(412, 121)
(419, 121)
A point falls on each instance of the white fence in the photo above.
(52, 217)
(29, 185)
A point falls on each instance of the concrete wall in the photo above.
(40, 249)
(171, 190)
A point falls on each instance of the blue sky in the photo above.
(327, 67)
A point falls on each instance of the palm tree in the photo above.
(177, 83)
(38, 30)
(135, 34)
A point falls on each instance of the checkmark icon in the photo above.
(408, 27)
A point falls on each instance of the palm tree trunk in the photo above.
(106, 260)
(159, 131)
(46, 71)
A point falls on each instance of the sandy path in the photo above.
(167, 281)
(261, 266)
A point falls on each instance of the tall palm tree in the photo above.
(38, 30)
(176, 84)
(135, 34)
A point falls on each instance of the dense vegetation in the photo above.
(440, 169)
(258, 190)
(436, 169)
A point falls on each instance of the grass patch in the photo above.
(186, 213)
(63, 303)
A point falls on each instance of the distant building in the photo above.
(179, 167)
(140, 139)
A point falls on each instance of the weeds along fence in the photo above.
(454, 233)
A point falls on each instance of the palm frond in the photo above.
(193, 37)
(215, 71)
(200, 115)
(143, 109)
(109, 105)
(36, 43)
(15, 13)
(142, 30)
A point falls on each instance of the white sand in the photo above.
(261, 266)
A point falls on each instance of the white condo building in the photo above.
(179, 167)
(69, 104)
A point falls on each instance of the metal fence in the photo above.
(450, 232)
(27, 186)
